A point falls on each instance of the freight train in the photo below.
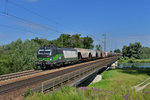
(48, 57)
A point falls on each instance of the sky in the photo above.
(123, 21)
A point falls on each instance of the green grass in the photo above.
(65, 93)
(131, 60)
(126, 78)
(121, 82)
(147, 89)
(148, 81)
(142, 60)
(115, 85)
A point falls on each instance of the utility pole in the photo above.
(62, 41)
(104, 42)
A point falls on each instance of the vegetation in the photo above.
(115, 85)
(141, 60)
(121, 82)
(65, 93)
(28, 92)
(98, 47)
(147, 89)
(117, 51)
(68, 41)
(133, 60)
(136, 50)
(20, 56)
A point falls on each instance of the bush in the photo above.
(28, 93)
(18, 56)
(126, 58)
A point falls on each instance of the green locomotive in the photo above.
(52, 56)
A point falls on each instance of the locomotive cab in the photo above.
(44, 57)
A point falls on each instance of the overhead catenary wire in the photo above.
(37, 14)
(6, 6)
(34, 23)
(33, 12)
(14, 28)
(30, 22)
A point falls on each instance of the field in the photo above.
(130, 60)
(116, 85)
(142, 60)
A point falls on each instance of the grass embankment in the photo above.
(147, 90)
(131, 60)
(115, 85)
(121, 81)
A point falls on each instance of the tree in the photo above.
(125, 51)
(63, 40)
(88, 42)
(117, 51)
(133, 50)
(77, 41)
(145, 53)
(74, 41)
(99, 47)
(20, 56)
(41, 41)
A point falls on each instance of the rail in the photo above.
(52, 83)
(18, 74)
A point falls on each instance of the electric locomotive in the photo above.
(52, 56)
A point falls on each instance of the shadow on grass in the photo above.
(136, 71)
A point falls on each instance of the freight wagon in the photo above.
(48, 57)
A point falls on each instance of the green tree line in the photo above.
(136, 50)
(20, 56)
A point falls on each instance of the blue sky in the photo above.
(123, 21)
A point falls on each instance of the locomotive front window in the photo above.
(44, 52)
(41, 51)
(47, 52)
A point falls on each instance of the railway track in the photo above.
(18, 74)
(9, 88)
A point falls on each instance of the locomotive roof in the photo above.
(46, 47)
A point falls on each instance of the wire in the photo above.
(6, 6)
(37, 14)
(14, 28)
(33, 12)
(33, 23)
(30, 22)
